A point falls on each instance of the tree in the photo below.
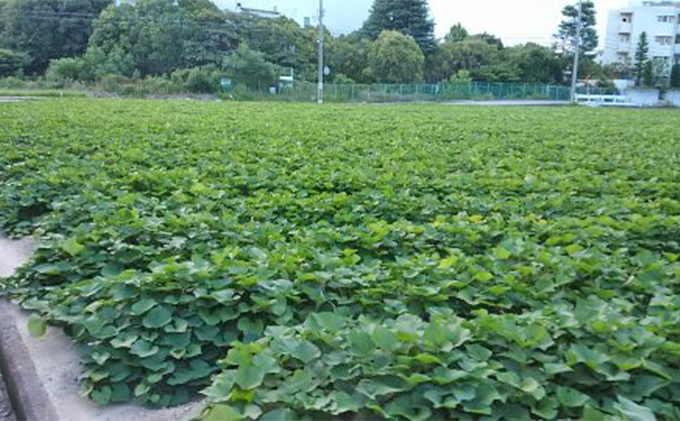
(249, 67)
(156, 37)
(641, 57)
(11, 62)
(535, 63)
(648, 73)
(47, 29)
(283, 42)
(568, 29)
(473, 55)
(395, 58)
(489, 39)
(348, 55)
(456, 33)
(410, 17)
(675, 76)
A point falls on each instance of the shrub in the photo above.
(68, 69)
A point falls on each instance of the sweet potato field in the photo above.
(354, 262)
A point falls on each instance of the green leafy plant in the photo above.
(403, 262)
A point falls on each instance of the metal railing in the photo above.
(306, 92)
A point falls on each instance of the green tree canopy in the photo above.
(641, 56)
(156, 37)
(471, 55)
(283, 42)
(47, 29)
(568, 28)
(675, 76)
(456, 33)
(250, 67)
(348, 55)
(410, 17)
(395, 58)
(535, 63)
(11, 62)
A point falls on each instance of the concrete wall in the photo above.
(673, 97)
(643, 97)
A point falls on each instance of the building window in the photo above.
(626, 18)
(664, 40)
(624, 39)
(665, 18)
(677, 39)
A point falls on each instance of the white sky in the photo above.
(515, 21)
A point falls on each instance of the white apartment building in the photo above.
(659, 19)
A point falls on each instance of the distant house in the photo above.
(341, 17)
(274, 13)
(119, 2)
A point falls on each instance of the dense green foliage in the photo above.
(11, 62)
(250, 68)
(395, 58)
(47, 29)
(91, 41)
(421, 262)
(641, 57)
(567, 33)
(675, 76)
(410, 17)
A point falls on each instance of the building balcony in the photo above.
(625, 28)
(624, 47)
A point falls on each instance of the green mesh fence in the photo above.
(307, 92)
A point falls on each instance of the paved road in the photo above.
(17, 98)
(6, 413)
(508, 103)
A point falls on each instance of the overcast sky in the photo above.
(515, 21)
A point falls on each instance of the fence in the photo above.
(307, 92)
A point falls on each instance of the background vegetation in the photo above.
(194, 43)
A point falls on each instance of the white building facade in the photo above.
(660, 20)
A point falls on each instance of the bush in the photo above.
(341, 79)
(67, 69)
(199, 80)
(249, 67)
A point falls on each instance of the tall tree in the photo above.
(675, 76)
(641, 57)
(648, 73)
(348, 55)
(283, 42)
(47, 29)
(567, 32)
(156, 37)
(456, 33)
(410, 17)
(395, 58)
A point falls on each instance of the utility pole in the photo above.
(577, 51)
(321, 65)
